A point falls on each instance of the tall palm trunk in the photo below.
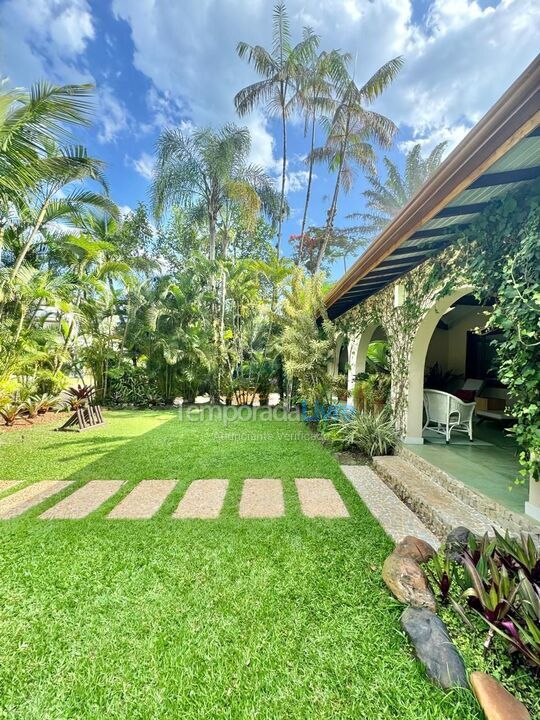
(283, 173)
(333, 207)
(308, 189)
(331, 215)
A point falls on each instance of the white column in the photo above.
(353, 353)
(532, 507)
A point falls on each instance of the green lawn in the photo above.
(231, 618)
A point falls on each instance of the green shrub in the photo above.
(48, 382)
(11, 412)
(372, 434)
(372, 391)
(130, 385)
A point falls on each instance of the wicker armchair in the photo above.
(445, 413)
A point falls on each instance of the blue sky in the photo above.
(157, 63)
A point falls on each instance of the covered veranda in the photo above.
(499, 158)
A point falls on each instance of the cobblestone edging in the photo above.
(434, 505)
(499, 514)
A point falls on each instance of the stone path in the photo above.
(21, 501)
(395, 517)
(203, 500)
(83, 501)
(262, 498)
(144, 500)
(319, 498)
(8, 484)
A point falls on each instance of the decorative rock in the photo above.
(496, 702)
(407, 582)
(457, 542)
(415, 548)
(434, 648)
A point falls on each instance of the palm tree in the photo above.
(386, 199)
(351, 131)
(314, 98)
(203, 170)
(280, 68)
(65, 167)
(29, 122)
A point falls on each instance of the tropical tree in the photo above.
(385, 199)
(314, 98)
(351, 131)
(29, 123)
(60, 196)
(280, 69)
(305, 344)
(202, 171)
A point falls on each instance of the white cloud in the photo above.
(459, 60)
(460, 64)
(125, 210)
(112, 116)
(44, 39)
(144, 165)
(450, 135)
(297, 180)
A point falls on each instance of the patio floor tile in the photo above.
(83, 501)
(319, 498)
(21, 501)
(203, 500)
(143, 501)
(262, 498)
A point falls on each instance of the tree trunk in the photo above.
(308, 190)
(333, 207)
(28, 243)
(283, 172)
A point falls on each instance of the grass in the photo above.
(232, 618)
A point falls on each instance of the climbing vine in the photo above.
(499, 255)
(503, 258)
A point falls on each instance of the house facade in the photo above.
(436, 282)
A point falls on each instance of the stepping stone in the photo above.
(262, 498)
(21, 501)
(319, 498)
(143, 501)
(203, 500)
(83, 501)
(8, 484)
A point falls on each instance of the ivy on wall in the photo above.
(499, 255)
(502, 252)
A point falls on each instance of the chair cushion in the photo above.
(465, 395)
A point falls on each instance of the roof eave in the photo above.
(515, 115)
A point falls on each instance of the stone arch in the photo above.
(417, 359)
(358, 348)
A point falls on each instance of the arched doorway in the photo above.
(368, 352)
(448, 350)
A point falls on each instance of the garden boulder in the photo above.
(415, 548)
(496, 702)
(407, 582)
(457, 542)
(434, 648)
